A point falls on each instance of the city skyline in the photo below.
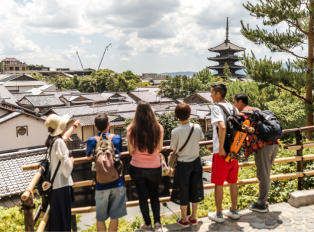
(146, 36)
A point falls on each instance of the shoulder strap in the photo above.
(54, 175)
(111, 136)
(224, 110)
(186, 142)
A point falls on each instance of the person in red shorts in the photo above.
(221, 170)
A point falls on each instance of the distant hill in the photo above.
(178, 73)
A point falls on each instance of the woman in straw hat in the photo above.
(60, 197)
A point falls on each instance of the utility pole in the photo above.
(103, 55)
(80, 60)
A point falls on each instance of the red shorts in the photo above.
(223, 171)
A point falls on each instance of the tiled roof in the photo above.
(10, 59)
(43, 100)
(206, 95)
(73, 110)
(24, 83)
(115, 107)
(97, 97)
(221, 66)
(125, 114)
(145, 95)
(37, 91)
(226, 46)
(19, 96)
(14, 76)
(58, 93)
(4, 93)
(162, 106)
(9, 116)
(127, 97)
(107, 95)
(13, 180)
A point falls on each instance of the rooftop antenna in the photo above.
(227, 32)
(103, 55)
(79, 59)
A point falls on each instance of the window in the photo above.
(23, 69)
(120, 131)
(17, 68)
(21, 131)
(11, 68)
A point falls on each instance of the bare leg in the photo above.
(184, 210)
(194, 210)
(219, 191)
(234, 196)
(101, 226)
(113, 226)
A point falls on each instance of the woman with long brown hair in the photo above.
(145, 140)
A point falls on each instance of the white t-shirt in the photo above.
(60, 152)
(218, 115)
(179, 136)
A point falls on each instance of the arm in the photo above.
(161, 141)
(130, 145)
(70, 131)
(62, 153)
(222, 134)
(90, 146)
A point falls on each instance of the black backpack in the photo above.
(233, 124)
(269, 129)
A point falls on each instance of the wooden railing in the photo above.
(27, 197)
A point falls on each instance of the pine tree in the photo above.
(297, 78)
(227, 72)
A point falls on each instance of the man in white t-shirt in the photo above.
(221, 170)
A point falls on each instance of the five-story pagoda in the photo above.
(227, 55)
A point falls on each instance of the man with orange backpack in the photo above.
(264, 152)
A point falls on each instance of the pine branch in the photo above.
(301, 57)
(294, 93)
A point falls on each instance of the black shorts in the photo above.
(188, 183)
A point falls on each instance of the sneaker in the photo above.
(193, 222)
(158, 227)
(181, 223)
(229, 213)
(213, 216)
(146, 228)
(258, 208)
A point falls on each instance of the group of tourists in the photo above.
(145, 141)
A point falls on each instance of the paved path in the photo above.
(281, 217)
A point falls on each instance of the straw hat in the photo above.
(57, 123)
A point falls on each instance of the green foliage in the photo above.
(227, 72)
(98, 81)
(181, 86)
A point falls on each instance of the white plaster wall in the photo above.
(37, 133)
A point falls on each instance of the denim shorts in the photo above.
(110, 203)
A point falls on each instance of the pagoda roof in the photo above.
(224, 57)
(233, 75)
(222, 66)
(227, 45)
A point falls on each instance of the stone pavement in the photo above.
(281, 217)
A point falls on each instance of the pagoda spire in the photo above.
(227, 32)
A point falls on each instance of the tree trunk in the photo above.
(309, 88)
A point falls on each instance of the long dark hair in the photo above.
(145, 131)
(51, 138)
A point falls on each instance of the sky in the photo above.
(146, 35)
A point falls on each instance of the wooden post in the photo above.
(28, 206)
(298, 136)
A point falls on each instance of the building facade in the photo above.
(13, 66)
(148, 76)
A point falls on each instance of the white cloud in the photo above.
(90, 56)
(125, 58)
(139, 29)
(84, 40)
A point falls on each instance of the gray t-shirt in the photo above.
(179, 136)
